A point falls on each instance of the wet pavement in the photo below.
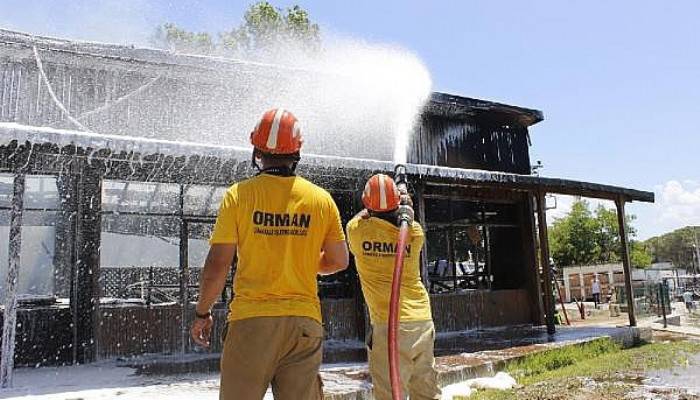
(473, 354)
(686, 377)
(504, 338)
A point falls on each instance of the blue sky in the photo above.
(619, 82)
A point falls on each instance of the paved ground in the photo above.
(103, 381)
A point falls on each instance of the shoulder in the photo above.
(232, 191)
(353, 224)
(416, 229)
(311, 187)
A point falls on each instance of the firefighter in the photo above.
(372, 237)
(284, 231)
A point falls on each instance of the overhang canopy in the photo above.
(113, 147)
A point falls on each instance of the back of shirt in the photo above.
(373, 243)
(279, 225)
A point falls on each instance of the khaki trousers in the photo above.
(282, 351)
(416, 361)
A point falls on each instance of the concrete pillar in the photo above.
(567, 285)
(582, 287)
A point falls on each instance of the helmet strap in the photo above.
(254, 161)
(278, 170)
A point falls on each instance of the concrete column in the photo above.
(582, 287)
(567, 285)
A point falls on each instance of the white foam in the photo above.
(500, 381)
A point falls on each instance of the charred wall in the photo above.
(473, 142)
(44, 336)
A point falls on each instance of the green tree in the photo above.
(264, 26)
(640, 256)
(573, 239)
(677, 247)
(583, 237)
(608, 234)
(171, 37)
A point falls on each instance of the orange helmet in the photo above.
(381, 194)
(278, 132)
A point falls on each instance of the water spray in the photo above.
(404, 218)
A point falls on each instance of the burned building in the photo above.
(109, 230)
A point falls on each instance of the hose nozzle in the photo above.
(400, 178)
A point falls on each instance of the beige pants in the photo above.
(416, 361)
(283, 351)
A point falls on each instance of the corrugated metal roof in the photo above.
(441, 104)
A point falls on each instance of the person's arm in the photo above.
(211, 284)
(363, 214)
(334, 258)
(214, 273)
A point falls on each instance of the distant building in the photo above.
(578, 279)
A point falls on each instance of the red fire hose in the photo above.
(394, 375)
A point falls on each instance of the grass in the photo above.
(559, 373)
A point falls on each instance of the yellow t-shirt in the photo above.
(373, 243)
(279, 225)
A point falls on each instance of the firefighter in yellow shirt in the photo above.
(372, 236)
(284, 230)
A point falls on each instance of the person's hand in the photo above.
(201, 330)
(404, 196)
(364, 214)
(407, 211)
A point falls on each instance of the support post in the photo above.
(544, 262)
(184, 274)
(184, 283)
(420, 200)
(64, 241)
(9, 326)
(530, 241)
(625, 254)
(85, 289)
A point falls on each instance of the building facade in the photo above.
(108, 230)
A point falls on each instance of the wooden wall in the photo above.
(44, 336)
(480, 309)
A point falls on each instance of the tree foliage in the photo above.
(264, 26)
(584, 237)
(171, 37)
(676, 247)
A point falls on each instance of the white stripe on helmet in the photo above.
(382, 193)
(274, 129)
(296, 129)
